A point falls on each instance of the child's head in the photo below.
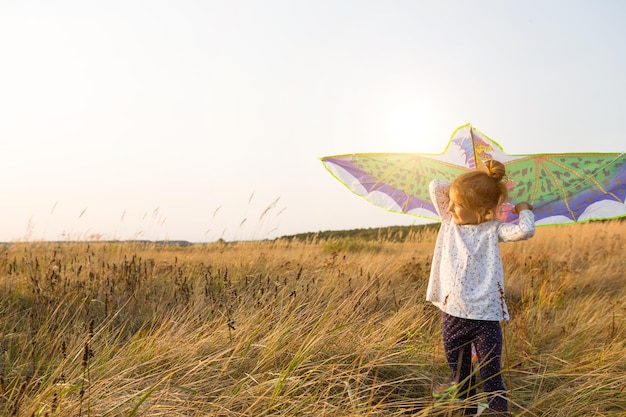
(480, 192)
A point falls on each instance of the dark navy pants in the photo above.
(486, 336)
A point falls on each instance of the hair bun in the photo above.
(495, 170)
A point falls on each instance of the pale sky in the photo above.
(201, 120)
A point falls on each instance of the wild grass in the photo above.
(315, 328)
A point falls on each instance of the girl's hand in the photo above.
(522, 206)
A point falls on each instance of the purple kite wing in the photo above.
(396, 182)
(567, 188)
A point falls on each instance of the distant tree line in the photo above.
(390, 233)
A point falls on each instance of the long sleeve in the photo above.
(440, 196)
(524, 229)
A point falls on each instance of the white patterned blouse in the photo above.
(466, 276)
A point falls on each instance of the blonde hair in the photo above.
(482, 192)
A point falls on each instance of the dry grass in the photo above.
(324, 328)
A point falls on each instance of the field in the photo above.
(322, 327)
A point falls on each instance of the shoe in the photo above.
(447, 390)
(481, 407)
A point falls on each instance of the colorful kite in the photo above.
(563, 188)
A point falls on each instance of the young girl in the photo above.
(466, 277)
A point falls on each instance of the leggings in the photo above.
(486, 336)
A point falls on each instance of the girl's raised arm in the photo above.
(440, 196)
(524, 229)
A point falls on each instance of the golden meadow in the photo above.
(321, 326)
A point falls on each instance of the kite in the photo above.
(563, 188)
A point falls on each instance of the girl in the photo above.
(466, 277)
